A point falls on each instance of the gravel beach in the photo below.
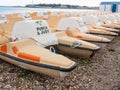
(101, 72)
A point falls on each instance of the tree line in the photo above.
(59, 6)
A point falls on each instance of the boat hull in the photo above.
(110, 37)
(101, 44)
(36, 68)
(77, 52)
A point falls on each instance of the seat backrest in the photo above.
(35, 29)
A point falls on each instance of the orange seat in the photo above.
(29, 57)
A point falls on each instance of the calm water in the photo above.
(5, 10)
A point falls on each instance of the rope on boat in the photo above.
(52, 49)
(75, 44)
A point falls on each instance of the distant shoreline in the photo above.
(50, 7)
(61, 6)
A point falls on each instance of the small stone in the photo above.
(0, 85)
(42, 88)
(1, 79)
(7, 86)
(36, 83)
(99, 80)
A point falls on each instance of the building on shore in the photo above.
(110, 6)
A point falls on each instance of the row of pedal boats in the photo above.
(35, 45)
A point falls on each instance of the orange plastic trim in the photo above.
(44, 18)
(15, 49)
(79, 36)
(4, 48)
(104, 22)
(29, 57)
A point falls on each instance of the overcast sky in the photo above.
(73, 2)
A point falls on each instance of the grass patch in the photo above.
(118, 73)
(111, 50)
(23, 74)
(118, 87)
(3, 69)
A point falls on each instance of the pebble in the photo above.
(1, 79)
(42, 88)
(7, 86)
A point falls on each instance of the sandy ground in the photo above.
(101, 72)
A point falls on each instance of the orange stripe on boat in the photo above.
(104, 22)
(79, 36)
(15, 49)
(29, 57)
(4, 48)
(44, 19)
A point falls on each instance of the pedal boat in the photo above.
(28, 55)
(75, 47)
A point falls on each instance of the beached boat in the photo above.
(3, 21)
(27, 54)
(75, 47)
(7, 23)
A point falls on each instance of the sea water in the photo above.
(7, 10)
